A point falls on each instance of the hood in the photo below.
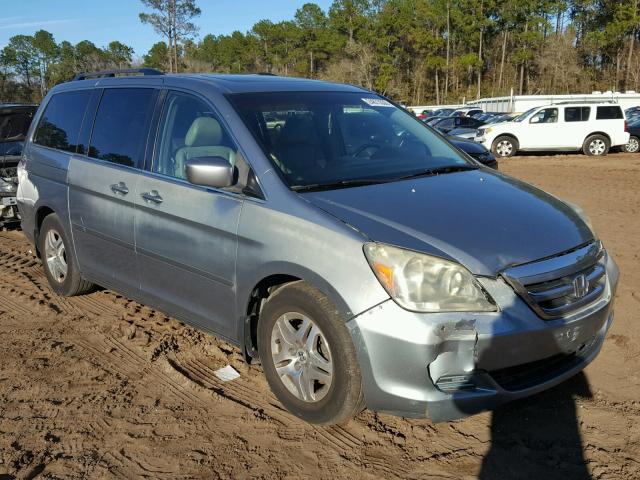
(483, 219)
(465, 145)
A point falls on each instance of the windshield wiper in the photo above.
(315, 187)
(438, 171)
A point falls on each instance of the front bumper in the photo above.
(410, 360)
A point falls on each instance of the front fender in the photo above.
(312, 246)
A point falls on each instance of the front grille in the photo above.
(527, 375)
(562, 285)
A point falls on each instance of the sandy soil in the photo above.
(100, 386)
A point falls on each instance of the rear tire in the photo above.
(308, 356)
(633, 145)
(504, 146)
(596, 145)
(57, 260)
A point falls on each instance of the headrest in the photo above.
(204, 131)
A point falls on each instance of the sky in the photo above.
(106, 20)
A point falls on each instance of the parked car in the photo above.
(446, 124)
(633, 145)
(632, 112)
(467, 112)
(463, 132)
(15, 120)
(471, 133)
(358, 255)
(593, 128)
(424, 114)
(440, 112)
(475, 150)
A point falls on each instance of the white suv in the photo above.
(592, 128)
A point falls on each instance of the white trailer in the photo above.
(522, 103)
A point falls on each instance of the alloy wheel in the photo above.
(301, 356)
(597, 147)
(56, 255)
(633, 146)
(504, 148)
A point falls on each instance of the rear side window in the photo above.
(121, 125)
(576, 114)
(60, 123)
(609, 113)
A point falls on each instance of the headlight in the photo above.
(424, 283)
(487, 130)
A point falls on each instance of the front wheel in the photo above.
(596, 146)
(57, 260)
(504, 146)
(308, 357)
(633, 145)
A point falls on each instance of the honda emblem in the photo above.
(580, 286)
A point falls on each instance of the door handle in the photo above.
(119, 187)
(153, 196)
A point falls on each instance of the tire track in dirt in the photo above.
(343, 440)
(182, 379)
(108, 331)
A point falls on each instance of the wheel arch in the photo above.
(42, 212)
(510, 135)
(607, 136)
(263, 285)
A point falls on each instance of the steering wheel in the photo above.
(364, 147)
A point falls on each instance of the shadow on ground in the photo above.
(539, 437)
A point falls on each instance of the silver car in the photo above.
(355, 253)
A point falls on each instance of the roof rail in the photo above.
(585, 102)
(113, 73)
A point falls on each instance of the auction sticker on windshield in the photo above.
(377, 102)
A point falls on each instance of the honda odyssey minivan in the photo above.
(347, 247)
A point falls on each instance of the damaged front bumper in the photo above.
(449, 365)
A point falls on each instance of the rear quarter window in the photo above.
(609, 113)
(576, 114)
(60, 124)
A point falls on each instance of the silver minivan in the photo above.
(340, 242)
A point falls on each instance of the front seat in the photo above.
(203, 139)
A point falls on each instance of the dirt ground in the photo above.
(99, 386)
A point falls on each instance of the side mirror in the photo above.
(214, 172)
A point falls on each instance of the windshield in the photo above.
(324, 138)
(524, 115)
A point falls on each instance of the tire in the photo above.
(60, 268)
(633, 146)
(504, 146)
(315, 343)
(596, 145)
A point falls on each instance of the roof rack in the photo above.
(113, 73)
(585, 102)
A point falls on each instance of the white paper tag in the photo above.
(226, 374)
(377, 102)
